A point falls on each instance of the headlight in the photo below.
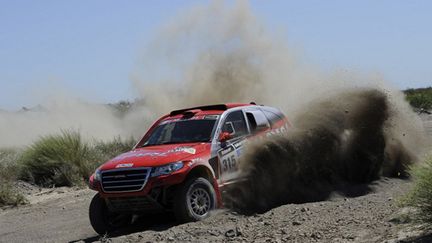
(167, 169)
(97, 175)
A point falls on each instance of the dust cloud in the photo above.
(220, 53)
(25, 126)
(207, 54)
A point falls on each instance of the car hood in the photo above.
(157, 155)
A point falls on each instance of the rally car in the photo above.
(181, 165)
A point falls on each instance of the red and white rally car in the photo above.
(182, 164)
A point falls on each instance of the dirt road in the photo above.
(367, 218)
(60, 215)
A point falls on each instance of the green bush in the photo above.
(63, 159)
(419, 98)
(8, 196)
(66, 159)
(9, 166)
(121, 108)
(9, 170)
(420, 196)
(57, 160)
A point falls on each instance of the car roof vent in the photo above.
(190, 113)
(221, 107)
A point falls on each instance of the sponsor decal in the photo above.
(189, 150)
(149, 154)
(239, 143)
(135, 155)
(124, 165)
(277, 131)
(226, 151)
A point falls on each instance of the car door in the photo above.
(231, 149)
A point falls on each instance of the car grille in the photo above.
(130, 204)
(125, 180)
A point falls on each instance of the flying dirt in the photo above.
(344, 139)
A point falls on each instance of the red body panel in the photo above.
(159, 155)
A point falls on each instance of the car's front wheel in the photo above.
(102, 220)
(194, 200)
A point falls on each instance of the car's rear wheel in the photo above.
(102, 220)
(194, 200)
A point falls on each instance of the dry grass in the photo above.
(9, 169)
(65, 159)
(420, 196)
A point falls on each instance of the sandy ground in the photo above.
(373, 217)
(61, 215)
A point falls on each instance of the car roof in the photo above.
(219, 108)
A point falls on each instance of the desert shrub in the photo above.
(9, 166)
(65, 159)
(420, 196)
(419, 98)
(9, 196)
(57, 160)
(121, 108)
(9, 170)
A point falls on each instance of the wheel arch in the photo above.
(201, 171)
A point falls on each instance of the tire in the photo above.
(194, 200)
(102, 220)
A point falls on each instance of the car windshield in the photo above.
(182, 131)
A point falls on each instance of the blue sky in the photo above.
(91, 47)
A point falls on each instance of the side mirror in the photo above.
(224, 136)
